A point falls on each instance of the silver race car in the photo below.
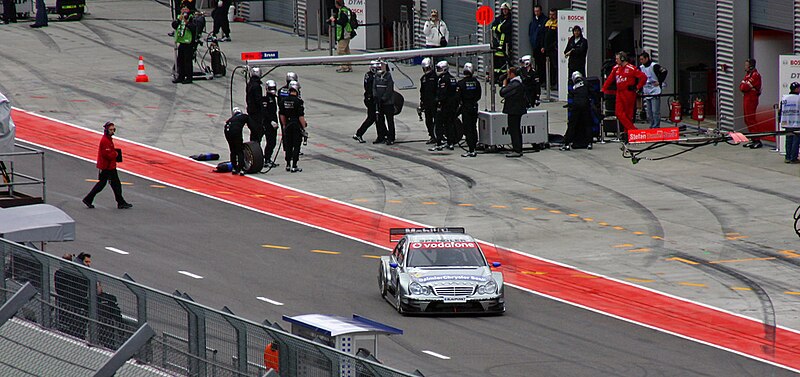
(439, 270)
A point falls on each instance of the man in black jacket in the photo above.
(446, 107)
(383, 92)
(292, 113)
(514, 106)
(185, 37)
(501, 40)
(233, 134)
(550, 47)
(369, 102)
(269, 105)
(530, 79)
(220, 17)
(579, 124)
(469, 93)
(254, 97)
(576, 49)
(429, 84)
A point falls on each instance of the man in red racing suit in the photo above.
(751, 89)
(629, 80)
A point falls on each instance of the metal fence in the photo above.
(89, 307)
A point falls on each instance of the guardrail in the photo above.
(191, 339)
(11, 178)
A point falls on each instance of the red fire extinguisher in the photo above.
(675, 111)
(698, 109)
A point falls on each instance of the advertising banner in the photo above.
(359, 8)
(788, 72)
(566, 20)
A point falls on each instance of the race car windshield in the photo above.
(444, 254)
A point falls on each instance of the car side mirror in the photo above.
(495, 264)
(393, 265)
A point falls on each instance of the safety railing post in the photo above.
(305, 28)
(319, 30)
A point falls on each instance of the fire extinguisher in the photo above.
(698, 109)
(675, 111)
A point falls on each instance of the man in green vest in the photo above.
(501, 41)
(344, 32)
(184, 38)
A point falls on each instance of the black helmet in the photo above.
(794, 86)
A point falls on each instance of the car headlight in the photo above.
(417, 289)
(488, 288)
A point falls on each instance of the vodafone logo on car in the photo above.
(442, 245)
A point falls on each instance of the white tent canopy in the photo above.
(6, 126)
(36, 223)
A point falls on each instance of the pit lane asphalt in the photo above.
(171, 230)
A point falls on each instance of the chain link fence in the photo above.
(80, 316)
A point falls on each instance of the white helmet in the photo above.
(294, 85)
(576, 76)
(255, 71)
(236, 110)
(272, 87)
(375, 66)
(427, 64)
(442, 67)
(291, 76)
(505, 5)
(468, 69)
(525, 60)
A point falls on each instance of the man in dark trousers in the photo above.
(536, 37)
(383, 92)
(270, 108)
(184, 38)
(576, 49)
(501, 40)
(469, 93)
(514, 106)
(579, 124)
(107, 158)
(220, 17)
(9, 11)
(254, 95)
(369, 102)
(550, 47)
(446, 108)
(429, 84)
(292, 112)
(530, 79)
(233, 134)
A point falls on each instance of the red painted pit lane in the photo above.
(632, 303)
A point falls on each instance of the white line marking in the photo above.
(273, 302)
(118, 251)
(434, 354)
(189, 274)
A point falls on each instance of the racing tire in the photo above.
(399, 304)
(381, 282)
(797, 213)
(797, 227)
(253, 157)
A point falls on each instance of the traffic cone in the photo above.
(141, 76)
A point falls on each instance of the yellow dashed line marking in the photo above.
(371, 256)
(589, 219)
(326, 252)
(534, 273)
(554, 211)
(682, 260)
(158, 186)
(635, 280)
(688, 284)
(790, 253)
(792, 293)
(741, 289)
(225, 192)
(127, 183)
(618, 228)
(276, 247)
(639, 250)
(496, 206)
(734, 238)
(741, 260)
(657, 237)
(360, 200)
(623, 245)
(465, 205)
(602, 223)
(573, 215)
(92, 180)
(584, 276)
(394, 201)
(430, 203)
(531, 209)
(291, 196)
(638, 233)
(259, 196)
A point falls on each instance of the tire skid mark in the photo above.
(46, 40)
(358, 168)
(761, 190)
(469, 181)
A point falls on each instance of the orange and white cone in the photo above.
(141, 76)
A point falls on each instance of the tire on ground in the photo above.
(253, 157)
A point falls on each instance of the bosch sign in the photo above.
(575, 18)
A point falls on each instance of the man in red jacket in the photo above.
(751, 89)
(628, 80)
(107, 157)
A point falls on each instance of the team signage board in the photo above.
(259, 55)
(566, 20)
(653, 135)
(788, 72)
